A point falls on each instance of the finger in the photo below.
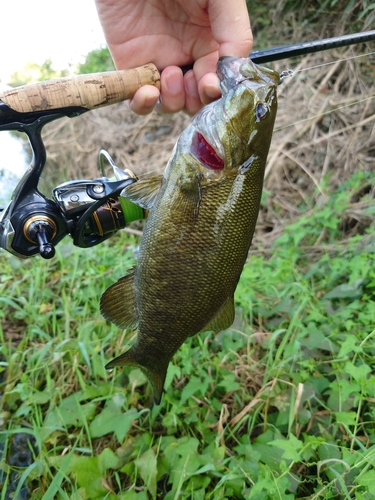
(209, 88)
(230, 24)
(206, 77)
(144, 100)
(193, 102)
(172, 96)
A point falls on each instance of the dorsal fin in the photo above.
(117, 303)
(143, 193)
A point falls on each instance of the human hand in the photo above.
(174, 33)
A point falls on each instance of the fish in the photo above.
(201, 220)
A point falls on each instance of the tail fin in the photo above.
(156, 377)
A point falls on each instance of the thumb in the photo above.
(230, 24)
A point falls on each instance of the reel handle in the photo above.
(82, 91)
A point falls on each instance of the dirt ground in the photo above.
(325, 131)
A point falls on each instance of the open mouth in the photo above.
(206, 154)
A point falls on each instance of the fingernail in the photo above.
(174, 82)
(212, 91)
(144, 107)
(149, 102)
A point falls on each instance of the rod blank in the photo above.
(277, 53)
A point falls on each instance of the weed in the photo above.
(279, 406)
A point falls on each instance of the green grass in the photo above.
(281, 406)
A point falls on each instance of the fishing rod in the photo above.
(89, 211)
(304, 48)
(300, 49)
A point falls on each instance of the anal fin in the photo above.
(117, 303)
(156, 377)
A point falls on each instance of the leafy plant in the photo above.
(96, 61)
(279, 406)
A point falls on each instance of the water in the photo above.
(13, 163)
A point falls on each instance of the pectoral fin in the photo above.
(143, 193)
(223, 319)
(191, 196)
(156, 378)
(117, 303)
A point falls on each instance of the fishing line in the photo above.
(290, 73)
(327, 113)
(333, 62)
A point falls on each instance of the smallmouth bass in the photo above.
(202, 216)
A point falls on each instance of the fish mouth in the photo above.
(235, 70)
(228, 71)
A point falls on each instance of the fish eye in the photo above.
(260, 111)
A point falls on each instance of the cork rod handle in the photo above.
(84, 91)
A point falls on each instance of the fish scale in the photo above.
(202, 216)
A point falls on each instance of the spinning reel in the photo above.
(88, 210)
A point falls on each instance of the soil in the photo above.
(324, 132)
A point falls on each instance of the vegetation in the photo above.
(96, 61)
(281, 405)
(33, 72)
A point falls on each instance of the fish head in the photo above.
(236, 129)
(249, 107)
